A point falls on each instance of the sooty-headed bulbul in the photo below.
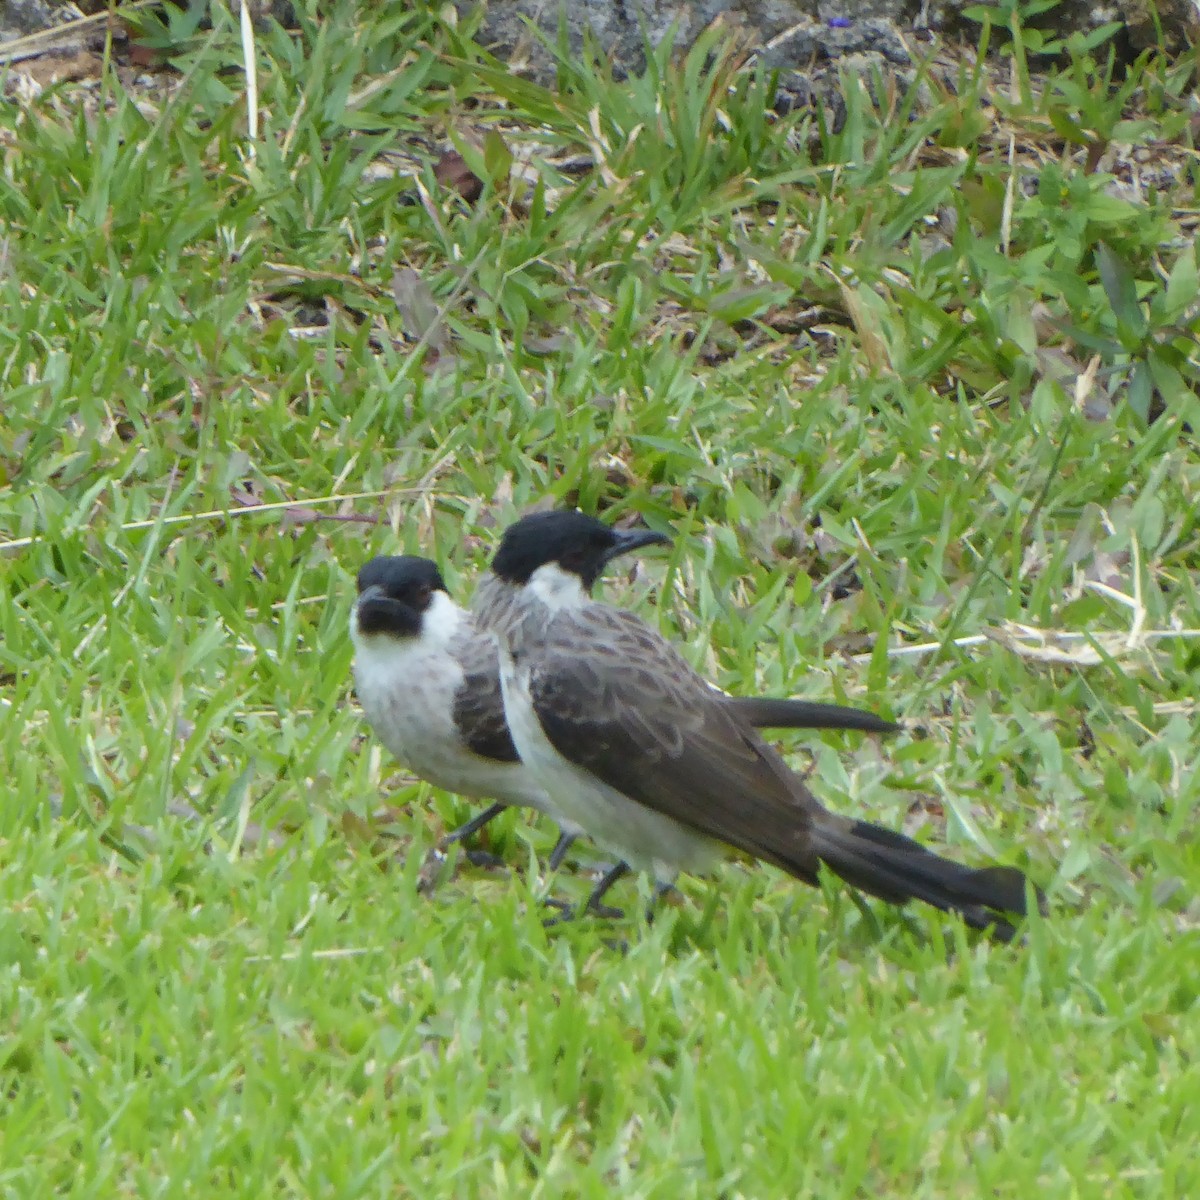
(636, 749)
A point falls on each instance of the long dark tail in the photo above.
(897, 869)
(770, 712)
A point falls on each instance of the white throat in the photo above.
(557, 589)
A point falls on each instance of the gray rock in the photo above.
(19, 17)
(788, 34)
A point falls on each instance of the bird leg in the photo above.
(474, 825)
(564, 843)
(477, 858)
(593, 904)
(660, 890)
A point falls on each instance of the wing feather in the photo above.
(479, 703)
(617, 700)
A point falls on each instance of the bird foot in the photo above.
(660, 891)
(483, 860)
(570, 912)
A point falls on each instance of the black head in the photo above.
(571, 539)
(394, 592)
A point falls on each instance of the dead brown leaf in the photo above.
(874, 344)
(452, 172)
(49, 69)
(148, 58)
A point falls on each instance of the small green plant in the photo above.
(1149, 333)
(171, 28)
(1016, 19)
(1087, 104)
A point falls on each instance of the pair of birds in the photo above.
(543, 697)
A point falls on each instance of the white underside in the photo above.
(639, 836)
(406, 687)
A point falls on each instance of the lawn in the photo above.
(913, 391)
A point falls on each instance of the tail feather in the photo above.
(894, 868)
(770, 712)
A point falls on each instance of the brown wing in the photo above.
(479, 703)
(617, 700)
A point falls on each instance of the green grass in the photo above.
(889, 386)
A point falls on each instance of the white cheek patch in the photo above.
(441, 620)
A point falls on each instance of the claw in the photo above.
(483, 860)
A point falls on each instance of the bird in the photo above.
(429, 684)
(636, 749)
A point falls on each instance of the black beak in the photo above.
(633, 539)
(377, 612)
